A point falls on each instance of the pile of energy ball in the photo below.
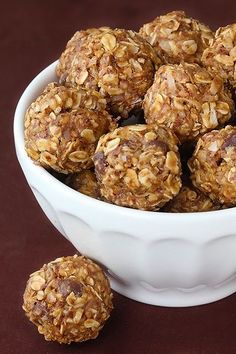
(177, 78)
(142, 120)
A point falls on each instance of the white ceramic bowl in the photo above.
(156, 258)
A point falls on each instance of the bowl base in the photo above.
(175, 297)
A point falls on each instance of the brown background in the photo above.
(32, 35)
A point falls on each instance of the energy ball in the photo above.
(187, 99)
(213, 165)
(118, 63)
(62, 128)
(177, 38)
(84, 182)
(69, 299)
(190, 200)
(220, 57)
(138, 166)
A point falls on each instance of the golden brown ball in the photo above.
(138, 166)
(62, 127)
(213, 165)
(220, 57)
(187, 99)
(118, 63)
(68, 299)
(177, 38)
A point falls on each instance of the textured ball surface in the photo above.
(220, 57)
(190, 200)
(177, 38)
(85, 182)
(138, 166)
(62, 128)
(118, 63)
(213, 165)
(69, 299)
(187, 99)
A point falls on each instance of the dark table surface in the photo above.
(32, 35)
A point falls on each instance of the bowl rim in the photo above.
(18, 131)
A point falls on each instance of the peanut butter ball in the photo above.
(190, 200)
(138, 166)
(84, 182)
(69, 299)
(213, 165)
(118, 63)
(62, 128)
(220, 57)
(187, 99)
(177, 38)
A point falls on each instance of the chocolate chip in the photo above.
(66, 286)
(101, 164)
(231, 141)
(158, 144)
(40, 309)
(131, 144)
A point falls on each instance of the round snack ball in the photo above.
(177, 38)
(220, 57)
(62, 128)
(118, 63)
(69, 299)
(213, 165)
(187, 99)
(85, 182)
(190, 200)
(138, 166)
